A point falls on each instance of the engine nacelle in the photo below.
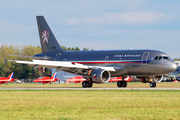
(155, 79)
(158, 79)
(100, 76)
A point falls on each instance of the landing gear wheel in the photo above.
(152, 85)
(119, 83)
(84, 84)
(90, 85)
(124, 84)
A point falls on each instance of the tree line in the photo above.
(21, 71)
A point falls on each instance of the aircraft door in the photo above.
(57, 56)
(144, 58)
(106, 59)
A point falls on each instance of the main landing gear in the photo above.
(122, 83)
(152, 85)
(86, 84)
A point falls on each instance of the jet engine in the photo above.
(156, 79)
(99, 75)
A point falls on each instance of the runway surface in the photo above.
(76, 88)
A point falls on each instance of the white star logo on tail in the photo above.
(45, 36)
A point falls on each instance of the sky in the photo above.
(95, 24)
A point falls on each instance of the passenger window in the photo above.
(160, 58)
(156, 58)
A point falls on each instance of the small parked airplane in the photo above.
(76, 79)
(116, 79)
(7, 79)
(79, 79)
(45, 80)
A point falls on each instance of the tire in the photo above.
(151, 85)
(119, 83)
(90, 85)
(84, 84)
(124, 84)
(154, 84)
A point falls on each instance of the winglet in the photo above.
(5, 61)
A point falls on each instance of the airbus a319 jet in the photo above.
(99, 66)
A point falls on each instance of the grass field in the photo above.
(89, 104)
(130, 85)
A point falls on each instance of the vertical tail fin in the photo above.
(11, 76)
(54, 76)
(48, 41)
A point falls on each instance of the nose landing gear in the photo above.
(152, 85)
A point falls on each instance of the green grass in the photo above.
(92, 104)
(130, 85)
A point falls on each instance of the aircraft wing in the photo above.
(64, 66)
(32, 57)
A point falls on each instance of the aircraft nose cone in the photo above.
(172, 67)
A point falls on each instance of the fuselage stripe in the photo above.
(105, 62)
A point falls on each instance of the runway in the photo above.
(78, 88)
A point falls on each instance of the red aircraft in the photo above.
(79, 79)
(76, 79)
(7, 79)
(176, 81)
(45, 80)
(116, 79)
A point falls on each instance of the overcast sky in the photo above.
(95, 24)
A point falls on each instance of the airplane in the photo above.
(76, 79)
(99, 66)
(79, 79)
(45, 80)
(116, 79)
(6, 80)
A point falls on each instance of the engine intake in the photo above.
(100, 76)
(156, 79)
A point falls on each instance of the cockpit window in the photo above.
(156, 58)
(166, 57)
(160, 58)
